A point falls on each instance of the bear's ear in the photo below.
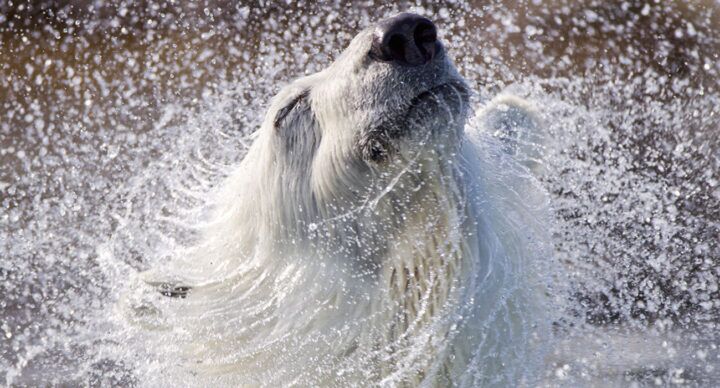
(517, 124)
(283, 112)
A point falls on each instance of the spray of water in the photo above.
(119, 124)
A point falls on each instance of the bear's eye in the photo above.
(284, 111)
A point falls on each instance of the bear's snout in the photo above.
(407, 39)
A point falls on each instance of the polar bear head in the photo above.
(391, 95)
(354, 148)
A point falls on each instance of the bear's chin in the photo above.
(435, 116)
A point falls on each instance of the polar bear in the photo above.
(371, 235)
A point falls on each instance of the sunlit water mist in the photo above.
(118, 125)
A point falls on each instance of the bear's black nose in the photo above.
(408, 39)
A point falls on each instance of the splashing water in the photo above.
(119, 123)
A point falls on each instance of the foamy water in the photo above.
(117, 131)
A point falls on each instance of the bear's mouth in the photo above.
(446, 101)
(437, 107)
(452, 92)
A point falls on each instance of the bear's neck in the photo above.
(425, 259)
(408, 233)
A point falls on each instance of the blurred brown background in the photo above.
(118, 61)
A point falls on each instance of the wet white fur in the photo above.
(319, 267)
